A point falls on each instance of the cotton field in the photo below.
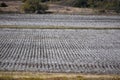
(59, 50)
(61, 20)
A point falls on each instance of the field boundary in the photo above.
(56, 27)
(52, 76)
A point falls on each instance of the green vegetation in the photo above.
(39, 0)
(3, 4)
(34, 6)
(24, 0)
(103, 5)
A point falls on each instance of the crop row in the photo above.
(60, 20)
(84, 51)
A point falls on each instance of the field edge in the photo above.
(54, 76)
(55, 27)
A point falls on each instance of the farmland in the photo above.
(58, 43)
(78, 21)
(59, 50)
(64, 43)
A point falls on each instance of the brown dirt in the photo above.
(69, 10)
(14, 6)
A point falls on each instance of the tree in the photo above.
(32, 6)
(24, 0)
(81, 3)
(3, 4)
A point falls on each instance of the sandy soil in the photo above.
(69, 10)
(14, 6)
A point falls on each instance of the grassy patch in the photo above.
(53, 76)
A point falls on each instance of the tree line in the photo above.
(113, 5)
(98, 4)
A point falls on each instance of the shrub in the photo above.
(32, 6)
(81, 3)
(44, 0)
(3, 4)
(114, 5)
(24, 0)
(76, 3)
(103, 5)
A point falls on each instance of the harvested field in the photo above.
(96, 21)
(45, 50)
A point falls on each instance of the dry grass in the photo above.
(53, 76)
